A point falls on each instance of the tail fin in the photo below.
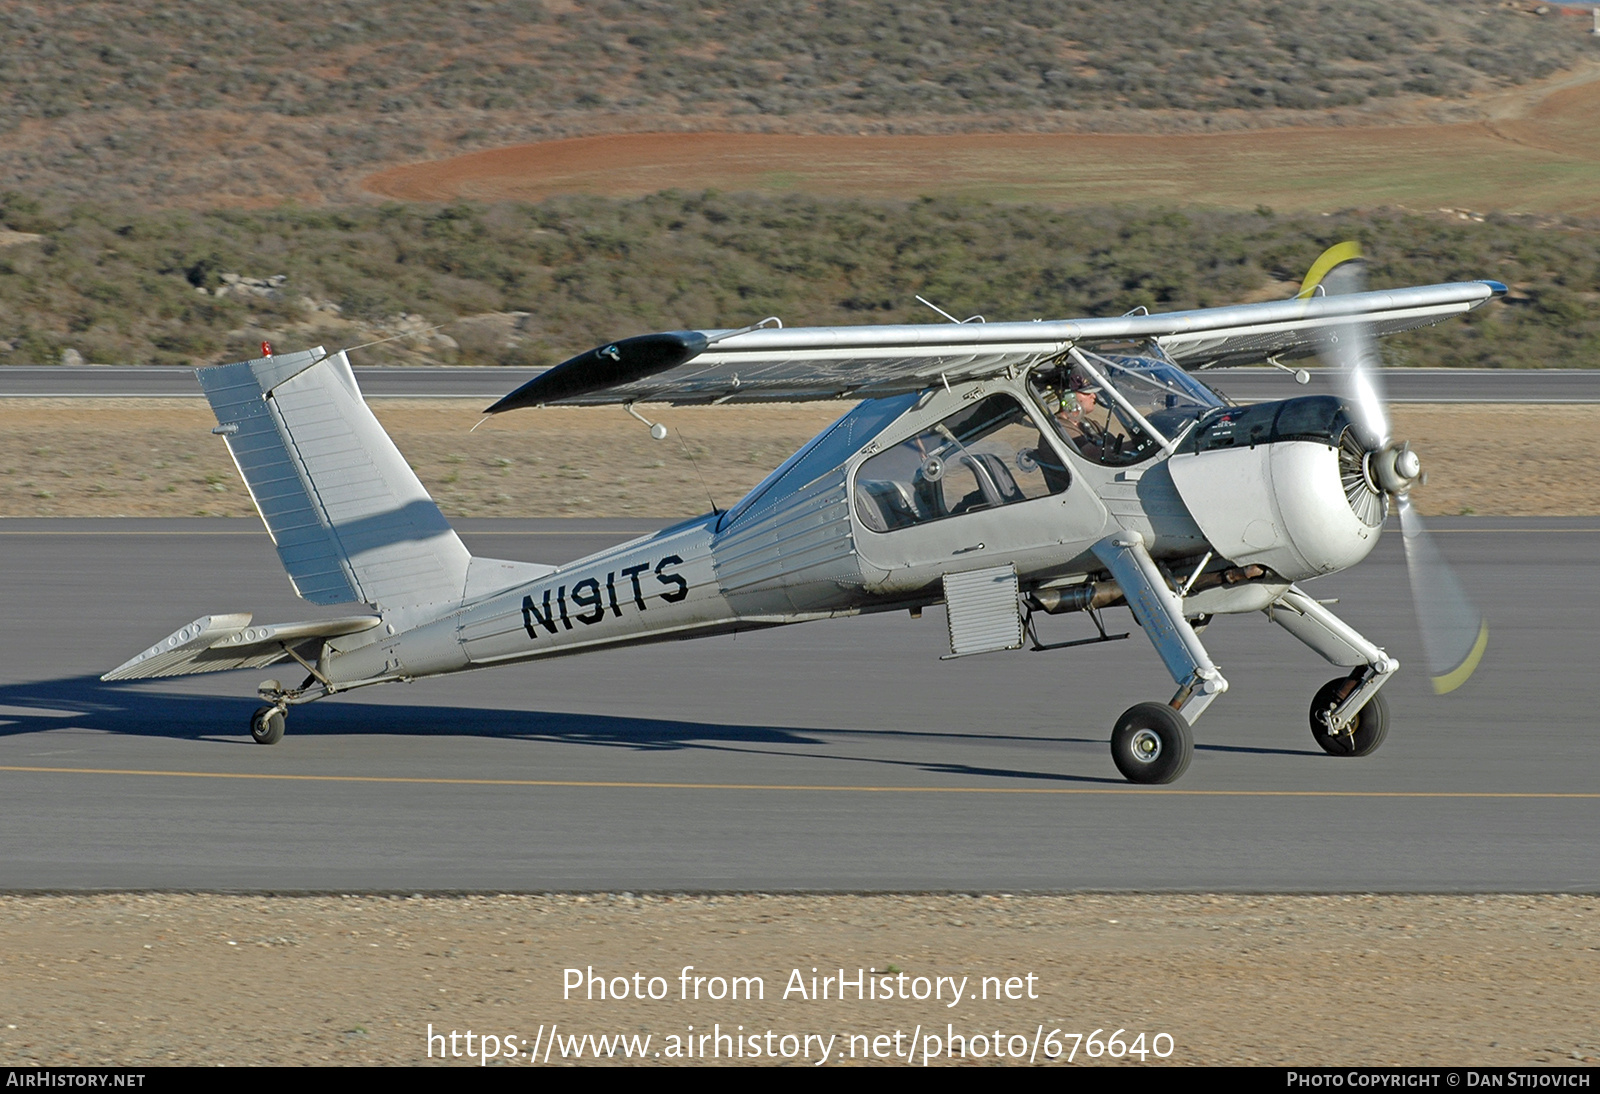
(350, 519)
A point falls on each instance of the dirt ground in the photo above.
(1528, 150)
(130, 978)
(157, 458)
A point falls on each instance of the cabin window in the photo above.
(985, 456)
(827, 451)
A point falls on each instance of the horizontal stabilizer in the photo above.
(214, 643)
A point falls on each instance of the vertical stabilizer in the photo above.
(350, 519)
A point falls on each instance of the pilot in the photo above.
(1078, 401)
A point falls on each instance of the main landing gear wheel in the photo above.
(266, 726)
(1152, 744)
(1372, 723)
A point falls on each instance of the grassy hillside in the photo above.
(214, 102)
(867, 57)
(547, 280)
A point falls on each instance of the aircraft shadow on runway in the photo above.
(85, 702)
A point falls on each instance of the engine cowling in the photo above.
(1283, 485)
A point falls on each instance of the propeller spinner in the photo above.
(1454, 631)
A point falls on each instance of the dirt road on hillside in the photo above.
(1531, 150)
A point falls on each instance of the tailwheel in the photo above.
(1359, 739)
(266, 725)
(1152, 744)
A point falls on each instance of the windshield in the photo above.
(1097, 423)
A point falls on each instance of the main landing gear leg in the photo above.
(1348, 716)
(1152, 742)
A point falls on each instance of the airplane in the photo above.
(1007, 470)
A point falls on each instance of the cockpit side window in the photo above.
(1095, 423)
(985, 456)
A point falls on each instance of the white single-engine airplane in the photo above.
(1006, 470)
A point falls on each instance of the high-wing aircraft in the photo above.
(1008, 471)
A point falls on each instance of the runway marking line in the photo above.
(841, 789)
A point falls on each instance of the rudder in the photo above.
(351, 521)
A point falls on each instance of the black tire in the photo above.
(1152, 744)
(266, 726)
(1372, 723)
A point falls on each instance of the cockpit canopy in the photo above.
(1104, 426)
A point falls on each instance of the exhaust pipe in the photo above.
(1093, 595)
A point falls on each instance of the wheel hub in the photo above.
(1146, 746)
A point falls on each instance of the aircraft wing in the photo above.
(800, 364)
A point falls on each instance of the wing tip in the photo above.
(610, 365)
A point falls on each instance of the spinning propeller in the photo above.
(1454, 632)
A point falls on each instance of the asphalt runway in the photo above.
(829, 756)
(1246, 385)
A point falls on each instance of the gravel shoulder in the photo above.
(133, 979)
(157, 458)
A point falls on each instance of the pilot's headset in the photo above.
(1047, 388)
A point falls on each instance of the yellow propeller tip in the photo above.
(1462, 672)
(1337, 255)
